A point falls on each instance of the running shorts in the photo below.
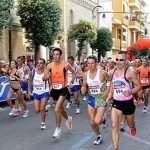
(40, 96)
(127, 107)
(61, 92)
(96, 102)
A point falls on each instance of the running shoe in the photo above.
(47, 107)
(19, 109)
(145, 109)
(15, 113)
(25, 114)
(57, 133)
(11, 112)
(133, 131)
(105, 123)
(68, 105)
(122, 127)
(98, 140)
(69, 122)
(84, 98)
(43, 126)
(78, 111)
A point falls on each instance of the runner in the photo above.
(95, 79)
(40, 90)
(76, 85)
(58, 72)
(144, 75)
(15, 78)
(122, 95)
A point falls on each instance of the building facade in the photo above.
(125, 18)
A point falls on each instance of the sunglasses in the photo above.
(119, 59)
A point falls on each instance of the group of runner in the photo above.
(115, 82)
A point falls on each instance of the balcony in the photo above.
(134, 24)
(116, 43)
(134, 4)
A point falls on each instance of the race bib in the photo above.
(118, 91)
(57, 86)
(144, 80)
(39, 87)
(94, 91)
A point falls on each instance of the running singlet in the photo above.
(96, 89)
(40, 86)
(144, 76)
(76, 80)
(58, 76)
(120, 84)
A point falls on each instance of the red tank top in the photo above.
(144, 76)
(58, 73)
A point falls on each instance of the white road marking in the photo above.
(77, 145)
(137, 139)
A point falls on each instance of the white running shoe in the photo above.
(11, 112)
(84, 98)
(98, 140)
(78, 111)
(25, 114)
(145, 109)
(122, 127)
(47, 107)
(69, 122)
(68, 105)
(43, 126)
(57, 133)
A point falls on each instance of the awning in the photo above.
(140, 44)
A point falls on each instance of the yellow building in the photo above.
(127, 25)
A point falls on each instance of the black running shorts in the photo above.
(61, 92)
(127, 107)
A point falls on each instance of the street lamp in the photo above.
(98, 9)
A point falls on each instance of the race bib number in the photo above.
(57, 86)
(145, 80)
(39, 87)
(118, 91)
(94, 91)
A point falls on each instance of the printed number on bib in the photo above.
(119, 91)
(94, 91)
(57, 86)
(145, 80)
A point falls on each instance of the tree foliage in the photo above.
(103, 43)
(5, 17)
(41, 20)
(84, 31)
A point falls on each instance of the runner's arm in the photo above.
(84, 84)
(46, 75)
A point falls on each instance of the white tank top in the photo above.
(40, 86)
(76, 80)
(94, 84)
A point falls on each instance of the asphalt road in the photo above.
(17, 133)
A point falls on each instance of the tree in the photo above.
(144, 52)
(103, 43)
(41, 20)
(5, 17)
(84, 31)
